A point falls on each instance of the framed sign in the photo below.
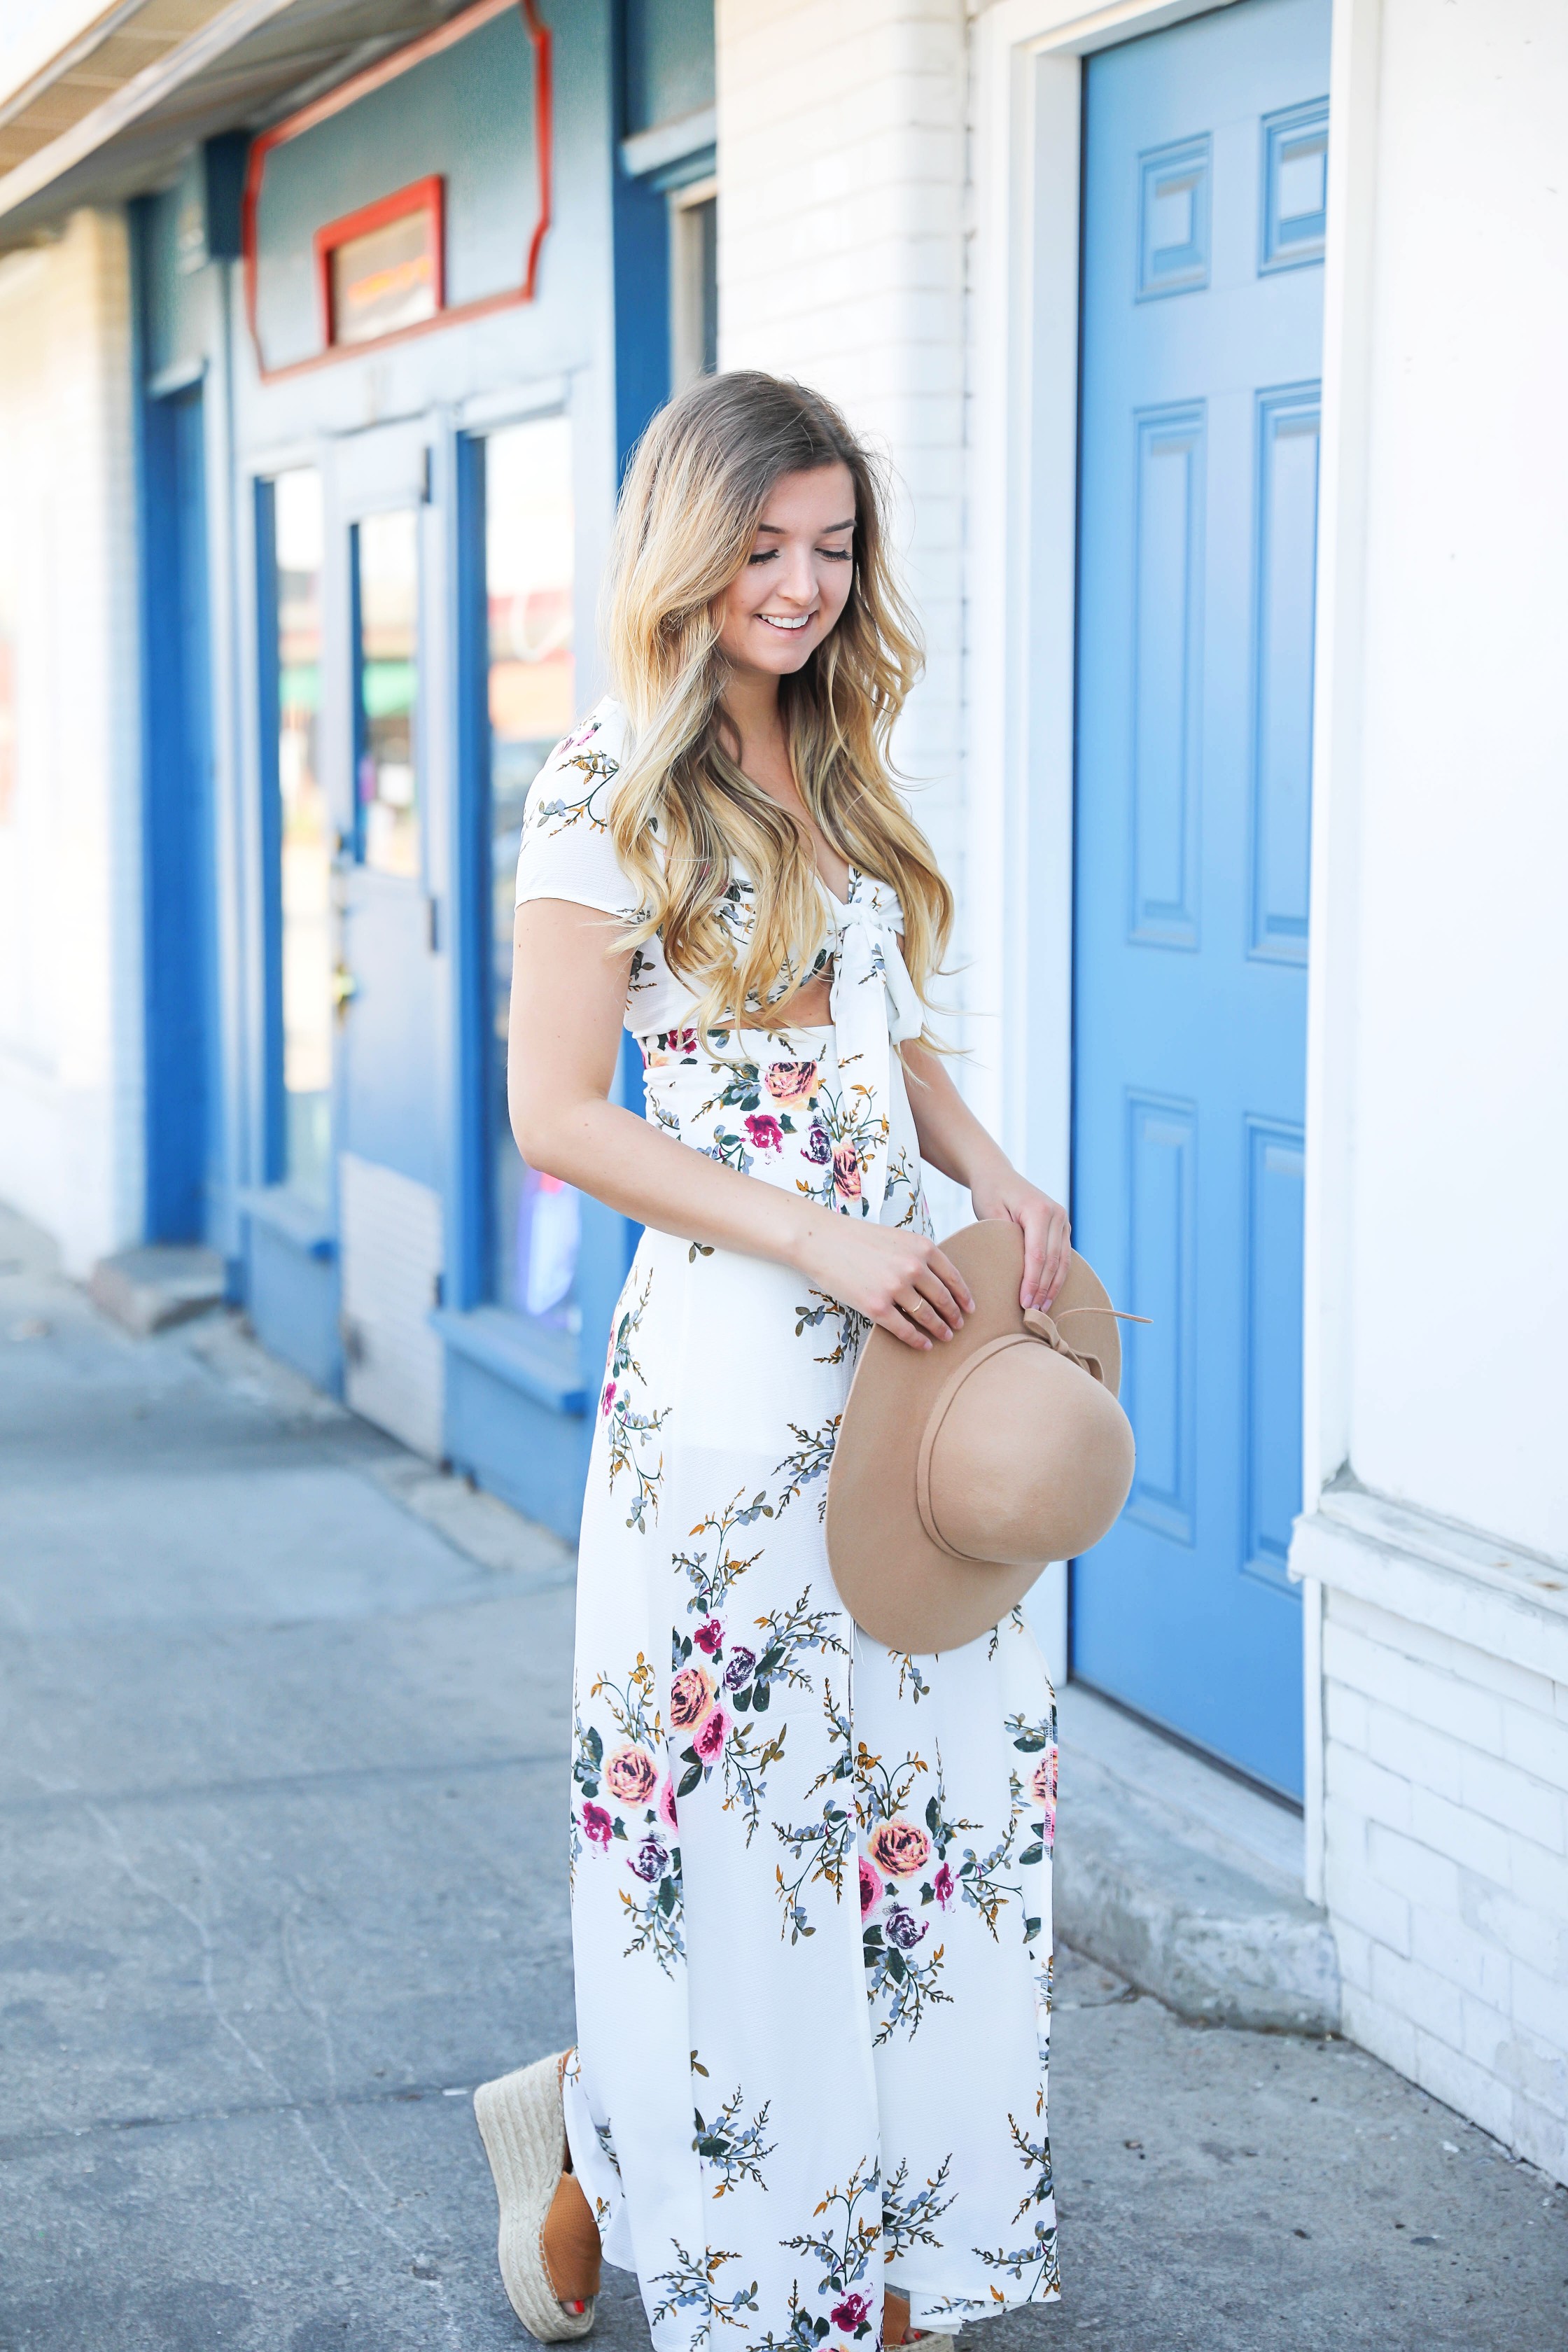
(381, 269)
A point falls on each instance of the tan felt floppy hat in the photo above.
(962, 1470)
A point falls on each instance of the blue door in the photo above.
(180, 962)
(1204, 192)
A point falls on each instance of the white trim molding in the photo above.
(1473, 1588)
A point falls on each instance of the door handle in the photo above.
(345, 988)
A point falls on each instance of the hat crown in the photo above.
(960, 1471)
(1027, 1458)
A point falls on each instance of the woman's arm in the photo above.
(952, 1139)
(568, 997)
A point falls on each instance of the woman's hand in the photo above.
(1045, 1226)
(952, 1139)
(895, 1278)
(567, 999)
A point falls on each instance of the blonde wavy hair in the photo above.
(683, 815)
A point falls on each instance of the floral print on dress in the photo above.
(630, 1425)
(810, 1876)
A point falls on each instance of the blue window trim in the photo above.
(292, 1217)
(544, 1365)
(469, 1255)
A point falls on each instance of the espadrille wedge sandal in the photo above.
(896, 2328)
(524, 2131)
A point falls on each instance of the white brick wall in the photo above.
(841, 161)
(70, 874)
(1446, 1868)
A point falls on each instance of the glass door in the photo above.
(389, 1098)
(392, 1147)
(534, 1220)
(386, 677)
(302, 1145)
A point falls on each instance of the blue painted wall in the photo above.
(669, 60)
(467, 114)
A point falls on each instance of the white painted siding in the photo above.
(70, 873)
(1436, 1249)
(1460, 1050)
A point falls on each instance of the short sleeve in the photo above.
(568, 851)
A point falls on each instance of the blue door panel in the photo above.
(1167, 677)
(1286, 569)
(1276, 1167)
(1204, 181)
(1162, 1170)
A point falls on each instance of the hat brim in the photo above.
(898, 1585)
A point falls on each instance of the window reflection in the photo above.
(532, 696)
(305, 838)
(386, 583)
(693, 283)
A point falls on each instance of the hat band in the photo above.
(939, 1412)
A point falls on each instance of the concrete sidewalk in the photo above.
(283, 1877)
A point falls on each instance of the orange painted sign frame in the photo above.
(426, 197)
(322, 110)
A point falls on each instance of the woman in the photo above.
(810, 1892)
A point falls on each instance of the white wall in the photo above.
(70, 983)
(841, 158)
(1437, 1283)
(1456, 1287)
(1446, 1819)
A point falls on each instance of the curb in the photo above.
(1148, 1887)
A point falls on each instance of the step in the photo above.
(150, 1287)
(1185, 1880)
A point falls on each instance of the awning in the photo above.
(116, 113)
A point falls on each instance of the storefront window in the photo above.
(693, 283)
(533, 703)
(305, 843)
(386, 601)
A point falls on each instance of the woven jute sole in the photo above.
(522, 2126)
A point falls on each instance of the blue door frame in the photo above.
(179, 964)
(274, 1114)
(1204, 176)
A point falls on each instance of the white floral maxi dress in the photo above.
(811, 1877)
